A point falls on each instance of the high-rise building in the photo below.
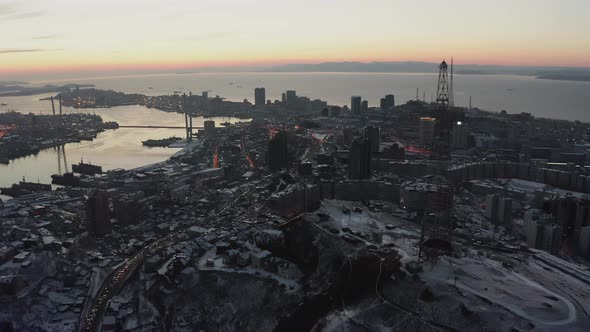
(205, 100)
(582, 215)
(278, 151)
(98, 214)
(360, 159)
(530, 227)
(387, 103)
(364, 107)
(584, 242)
(551, 241)
(491, 211)
(498, 209)
(355, 105)
(259, 96)
(459, 135)
(541, 231)
(566, 217)
(373, 135)
(427, 127)
(504, 211)
(291, 96)
(209, 126)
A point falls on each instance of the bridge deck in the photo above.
(160, 127)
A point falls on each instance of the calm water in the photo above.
(122, 147)
(543, 98)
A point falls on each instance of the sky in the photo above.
(106, 35)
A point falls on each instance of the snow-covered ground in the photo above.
(393, 229)
(488, 279)
(218, 265)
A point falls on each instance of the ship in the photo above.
(164, 142)
(24, 188)
(87, 169)
(68, 179)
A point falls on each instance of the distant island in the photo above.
(565, 77)
(9, 83)
(8, 90)
(553, 73)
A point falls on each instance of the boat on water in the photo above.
(67, 179)
(86, 169)
(164, 142)
(24, 188)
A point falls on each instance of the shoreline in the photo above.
(513, 105)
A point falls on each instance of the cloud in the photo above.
(6, 9)
(19, 50)
(55, 36)
(23, 15)
(10, 11)
(209, 35)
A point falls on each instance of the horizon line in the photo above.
(253, 67)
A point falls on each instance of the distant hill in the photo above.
(566, 74)
(429, 67)
(562, 77)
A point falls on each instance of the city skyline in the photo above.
(258, 165)
(65, 36)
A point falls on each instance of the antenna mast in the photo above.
(442, 90)
(451, 92)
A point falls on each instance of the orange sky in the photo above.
(68, 35)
